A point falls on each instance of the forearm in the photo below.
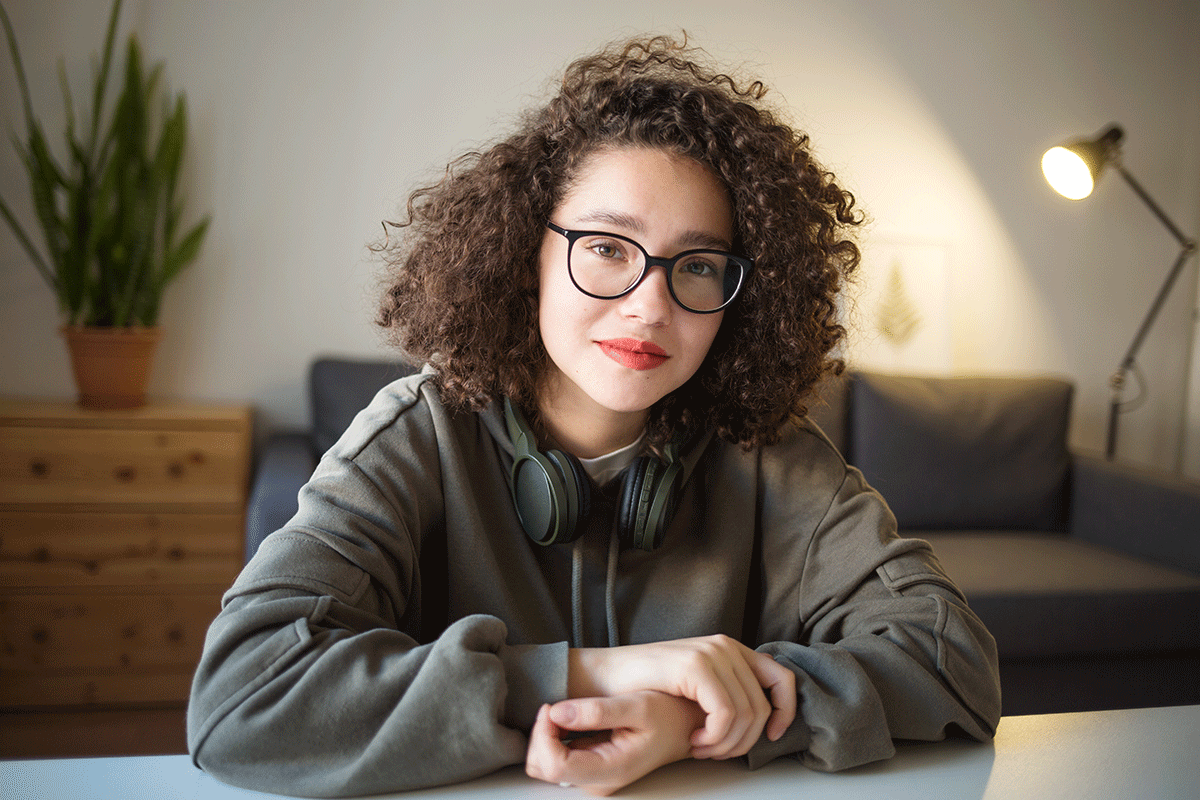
(585, 672)
(315, 708)
(927, 669)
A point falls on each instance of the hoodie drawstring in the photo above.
(577, 594)
(610, 589)
(610, 592)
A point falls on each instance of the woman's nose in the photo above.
(651, 301)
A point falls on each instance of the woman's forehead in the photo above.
(634, 189)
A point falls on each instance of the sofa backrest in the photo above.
(956, 453)
(946, 453)
(341, 388)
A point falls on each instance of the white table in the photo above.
(1142, 753)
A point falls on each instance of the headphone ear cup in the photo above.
(551, 491)
(629, 502)
(578, 491)
(539, 497)
(664, 499)
(649, 496)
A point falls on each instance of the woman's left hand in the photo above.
(723, 676)
(636, 734)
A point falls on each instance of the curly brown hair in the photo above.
(462, 282)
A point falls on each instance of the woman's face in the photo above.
(619, 357)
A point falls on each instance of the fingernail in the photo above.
(563, 713)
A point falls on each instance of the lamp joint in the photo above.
(1117, 382)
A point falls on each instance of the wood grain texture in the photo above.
(119, 532)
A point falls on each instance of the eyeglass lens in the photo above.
(607, 266)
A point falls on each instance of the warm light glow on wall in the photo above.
(1067, 173)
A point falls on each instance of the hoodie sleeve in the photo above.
(884, 646)
(313, 679)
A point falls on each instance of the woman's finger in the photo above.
(773, 718)
(595, 763)
(781, 683)
(732, 729)
(598, 713)
(717, 699)
(546, 755)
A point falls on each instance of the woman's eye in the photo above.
(606, 250)
(698, 268)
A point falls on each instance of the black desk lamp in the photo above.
(1073, 169)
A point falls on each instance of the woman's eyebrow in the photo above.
(629, 223)
(618, 219)
(703, 240)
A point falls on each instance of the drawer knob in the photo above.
(125, 474)
(39, 468)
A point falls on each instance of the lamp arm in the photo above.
(1187, 248)
(1184, 242)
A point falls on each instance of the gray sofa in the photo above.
(1087, 572)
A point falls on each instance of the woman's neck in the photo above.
(586, 429)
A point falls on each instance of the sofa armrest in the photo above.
(1148, 514)
(285, 464)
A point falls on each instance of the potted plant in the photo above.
(110, 219)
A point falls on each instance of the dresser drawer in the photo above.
(83, 648)
(89, 466)
(95, 689)
(75, 549)
(119, 532)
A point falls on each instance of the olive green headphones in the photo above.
(552, 492)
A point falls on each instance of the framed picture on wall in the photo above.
(898, 308)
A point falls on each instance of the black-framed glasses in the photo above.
(607, 266)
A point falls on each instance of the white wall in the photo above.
(311, 120)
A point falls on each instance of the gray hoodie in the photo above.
(401, 630)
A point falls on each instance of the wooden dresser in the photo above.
(119, 531)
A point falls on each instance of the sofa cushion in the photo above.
(961, 453)
(1145, 513)
(343, 387)
(1052, 595)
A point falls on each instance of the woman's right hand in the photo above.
(721, 675)
(631, 735)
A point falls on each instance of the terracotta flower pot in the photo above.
(111, 365)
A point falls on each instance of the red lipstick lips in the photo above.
(634, 353)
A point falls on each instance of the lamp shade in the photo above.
(1073, 168)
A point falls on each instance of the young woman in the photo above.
(596, 533)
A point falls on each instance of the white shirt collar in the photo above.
(603, 469)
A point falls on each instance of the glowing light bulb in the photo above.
(1067, 173)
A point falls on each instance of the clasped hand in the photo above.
(662, 702)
